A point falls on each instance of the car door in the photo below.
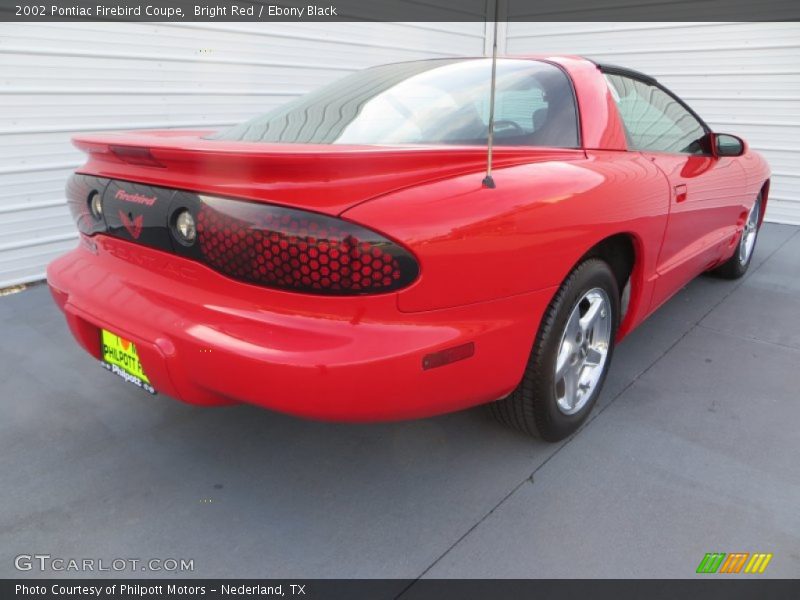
(705, 190)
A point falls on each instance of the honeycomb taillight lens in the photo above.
(298, 250)
(257, 243)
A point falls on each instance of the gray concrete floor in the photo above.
(694, 448)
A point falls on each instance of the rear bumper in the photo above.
(205, 339)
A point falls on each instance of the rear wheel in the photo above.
(570, 358)
(736, 266)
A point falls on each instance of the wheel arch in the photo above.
(622, 252)
(764, 193)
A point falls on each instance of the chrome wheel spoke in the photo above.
(571, 387)
(594, 312)
(563, 359)
(574, 331)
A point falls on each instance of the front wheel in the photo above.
(570, 357)
(736, 266)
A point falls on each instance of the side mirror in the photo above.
(724, 144)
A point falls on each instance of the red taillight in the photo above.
(253, 242)
(298, 250)
(81, 192)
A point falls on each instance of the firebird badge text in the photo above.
(135, 198)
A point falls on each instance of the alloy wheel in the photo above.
(583, 351)
(748, 241)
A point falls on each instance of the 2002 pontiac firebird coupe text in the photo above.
(339, 258)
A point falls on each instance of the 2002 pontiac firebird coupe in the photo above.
(339, 258)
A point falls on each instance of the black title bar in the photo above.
(707, 588)
(398, 10)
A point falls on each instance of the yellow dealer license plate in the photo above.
(120, 357)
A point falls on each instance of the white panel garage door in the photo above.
(57, 79)
(742, 78)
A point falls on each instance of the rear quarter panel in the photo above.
(476, 244)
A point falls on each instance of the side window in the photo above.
(654, 120)
(532, 108)
(521, 107)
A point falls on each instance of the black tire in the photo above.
(532, 407)
(735, 267)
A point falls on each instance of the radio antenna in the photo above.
(488, 181)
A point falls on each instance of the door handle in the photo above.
(680, 192)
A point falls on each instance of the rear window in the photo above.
(427, 102)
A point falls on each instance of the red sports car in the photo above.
(342, 257)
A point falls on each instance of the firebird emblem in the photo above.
(134, 226)
(137, 198)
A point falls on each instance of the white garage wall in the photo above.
(57, 79)
(742, 78)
